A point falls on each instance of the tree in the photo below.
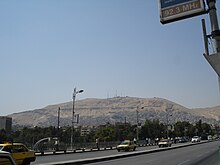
(182, 128)
(3, 136)
(105, 134)
(124, 131)
(152, 129)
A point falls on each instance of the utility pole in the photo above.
(58, 120)
(58, 129)
(214, 58)
(168, 108)
(137, 124)
(214, 24)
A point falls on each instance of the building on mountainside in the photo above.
(6, 123)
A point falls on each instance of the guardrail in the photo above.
(48, 148)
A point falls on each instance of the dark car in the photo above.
(183, 140)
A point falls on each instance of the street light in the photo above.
(138, 123)
(75, 92)
(167, 117)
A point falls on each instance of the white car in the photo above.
(195, 139)
(6, 158)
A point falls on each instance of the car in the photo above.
(20, 153)
(165, 143)
(6, 158)
(209, 138)
(183, 140)
(126, 145)
(195, 139)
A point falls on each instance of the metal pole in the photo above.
(58, 120)
(167, 126)
(167, 118)
(205, 38)
(214, 24)
(137, 125)
(73, 113)
(58, 127)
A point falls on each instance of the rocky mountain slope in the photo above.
(94, 111)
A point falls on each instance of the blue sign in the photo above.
(169, 3)
(173, 10)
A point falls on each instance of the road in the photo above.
(180, 156)
(203, 154)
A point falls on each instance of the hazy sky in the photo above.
(106, 47)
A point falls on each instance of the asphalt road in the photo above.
(202, 154)
(182, 156)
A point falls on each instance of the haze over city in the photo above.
(107, 48)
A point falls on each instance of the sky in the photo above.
(107, 48)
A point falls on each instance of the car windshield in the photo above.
(124, 143)
(164, 140)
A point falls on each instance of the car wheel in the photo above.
(118, 150)
(134, 149)
(26, 162)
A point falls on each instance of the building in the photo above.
(86, 130)
(6, 123)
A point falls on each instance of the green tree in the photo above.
(4, 136)
(152, 129)
(124, 131)
(105, 134)
(182, 128)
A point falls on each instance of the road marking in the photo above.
(183, 162)
(207, 152)
(199, 155)
(151, 160)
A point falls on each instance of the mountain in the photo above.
(93, 111)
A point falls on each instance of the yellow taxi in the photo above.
(20, 153)
(165, 143)
(126, 145)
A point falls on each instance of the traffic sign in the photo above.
(174, 10)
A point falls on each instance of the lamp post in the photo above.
(167, 117)
(138, 123)
(75, 92)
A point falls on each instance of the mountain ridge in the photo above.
(95, 111)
